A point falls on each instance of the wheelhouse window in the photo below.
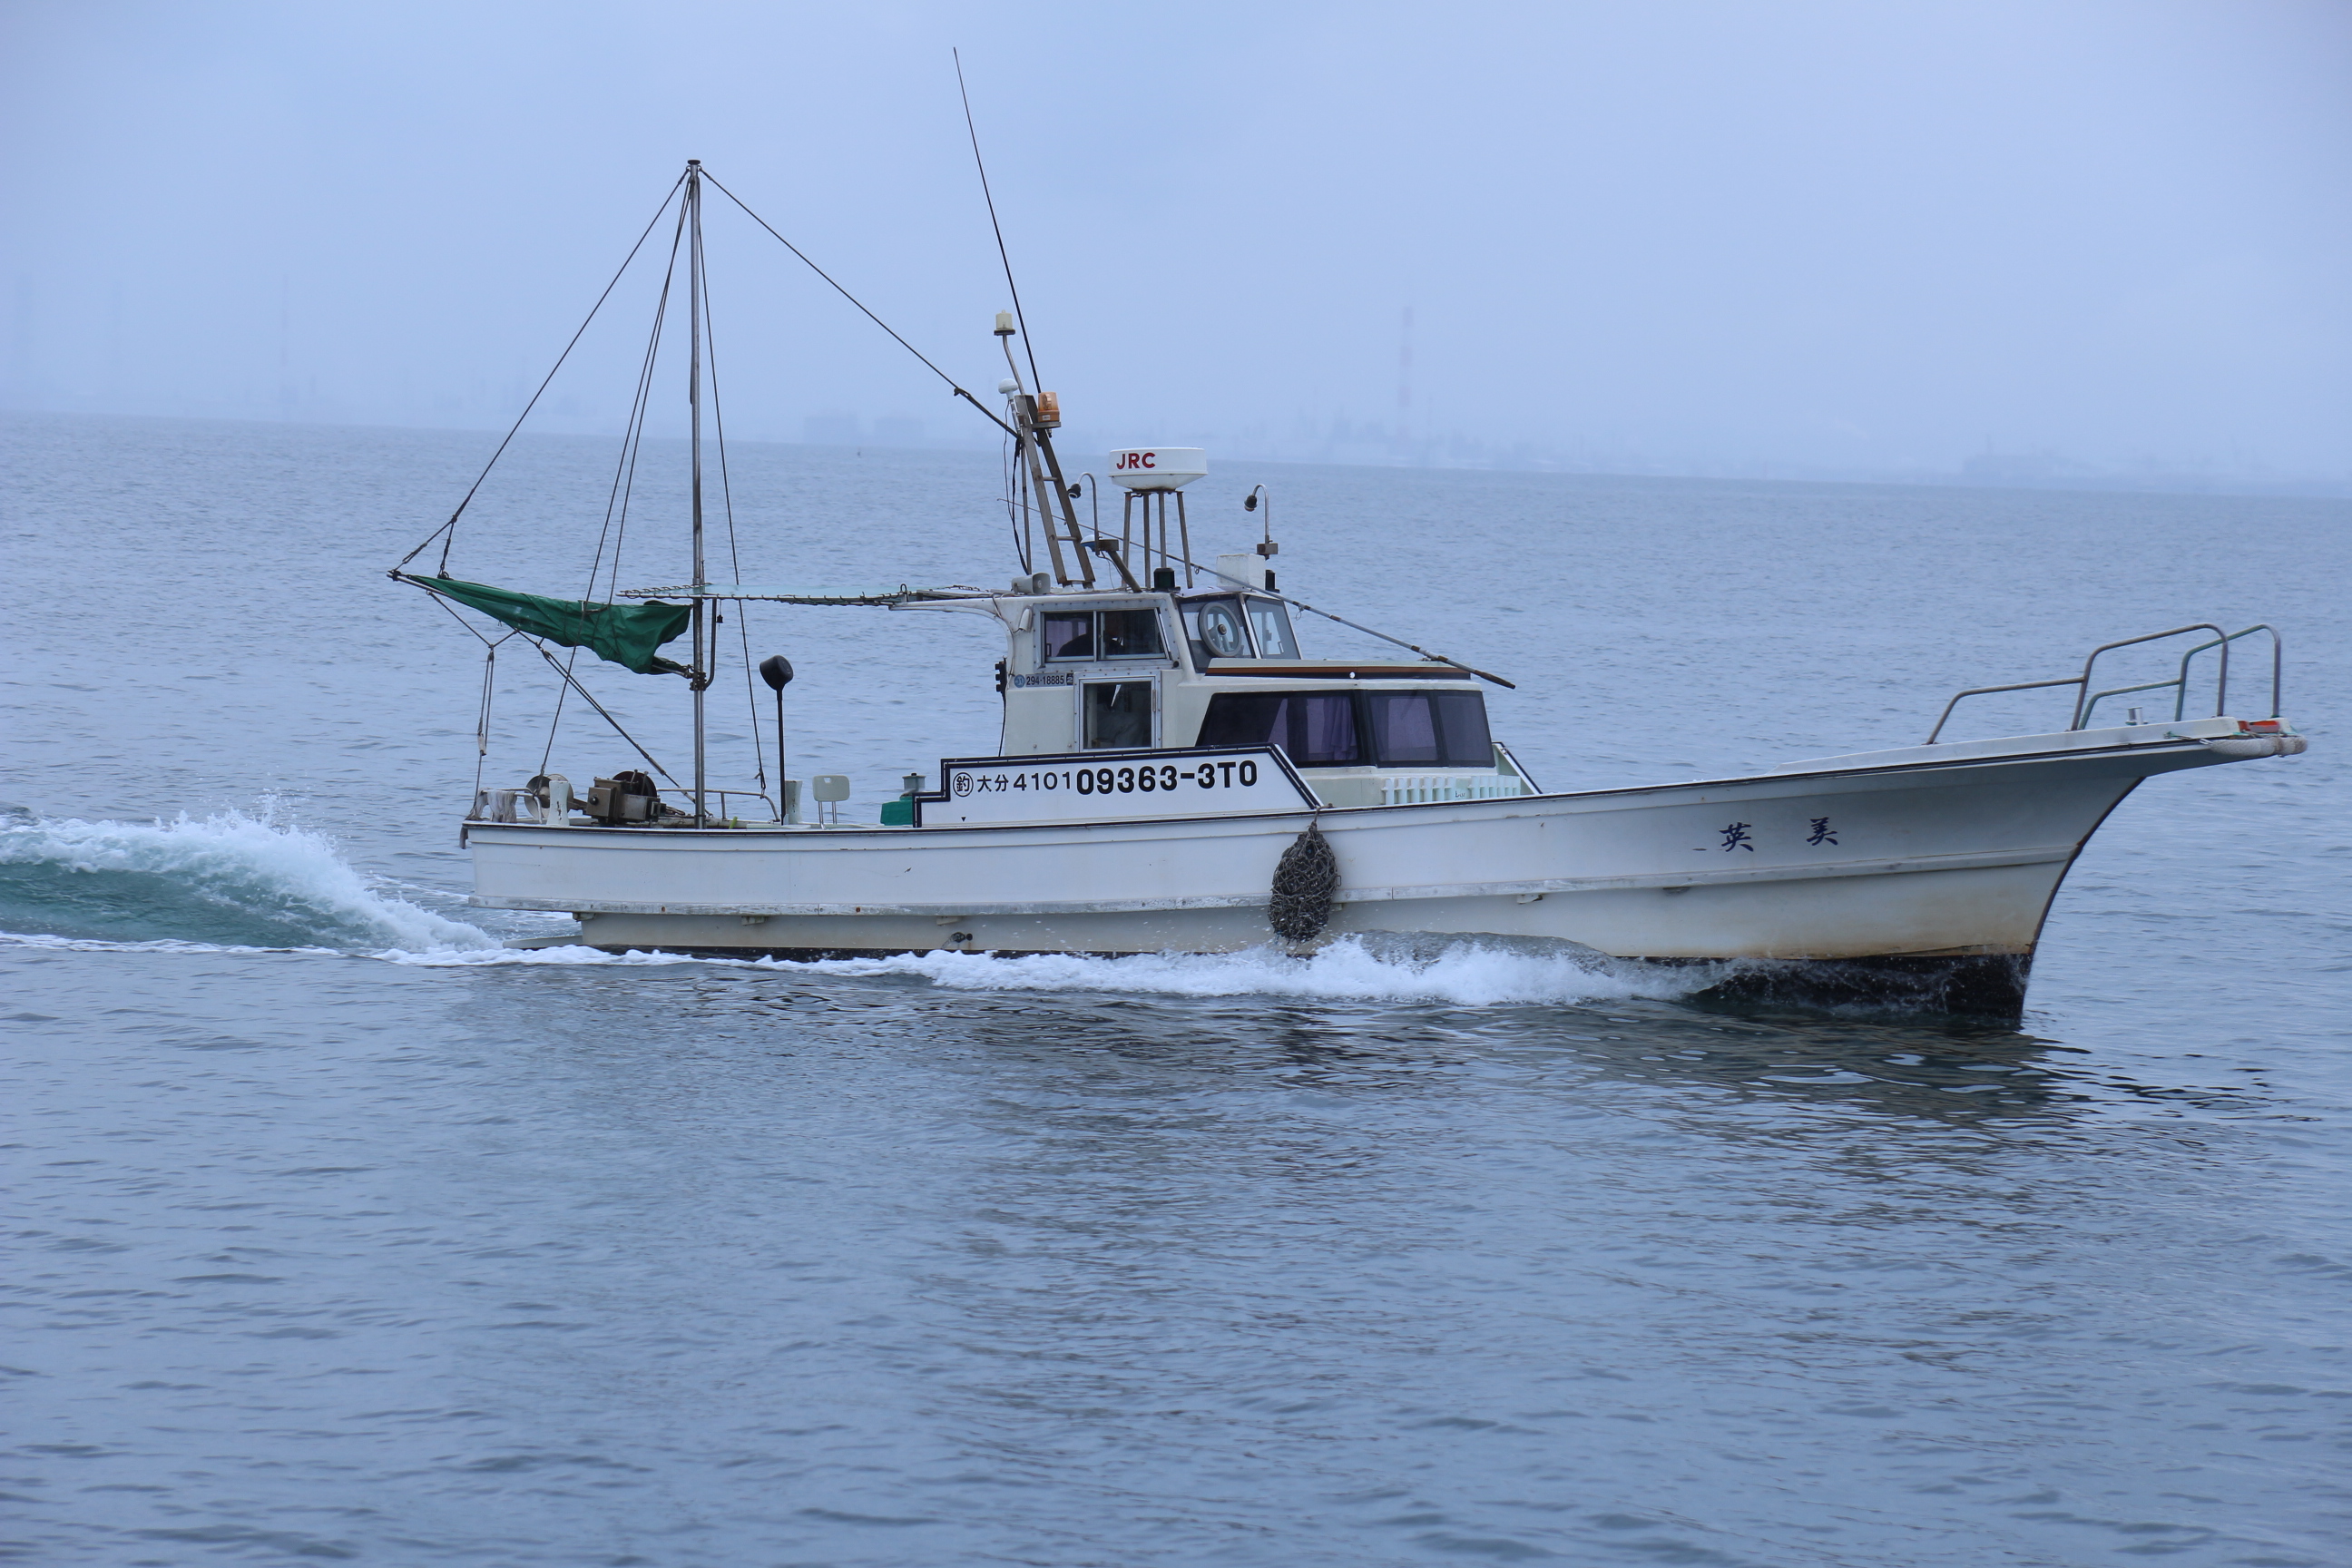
(1069, 637)
(1101, 634)
(1346, 729)
(1430, 729)
(1238, 627)
(1128, 633)
(1271, 622)
(1317, 729)
(1216, 629)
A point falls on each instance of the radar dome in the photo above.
(1157, 467)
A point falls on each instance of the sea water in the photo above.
(337, 1231)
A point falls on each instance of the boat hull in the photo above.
(1925, 872)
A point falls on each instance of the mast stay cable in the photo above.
(1352, 626)
(854, 299)
(589, 697)
(489, 681)
(734, 553)
(621, 490)
(633, 438)
(618, 496)
(1027, 347)
(450, 527)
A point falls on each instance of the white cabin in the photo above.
(1117, 669)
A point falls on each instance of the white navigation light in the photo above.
(1157, 467)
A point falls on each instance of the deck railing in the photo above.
(721, 812)
(522, 806)
(2085, 699)
(1420, 789)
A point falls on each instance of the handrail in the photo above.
(2278, 660)
(1981, 690)
(2082, 708)
(2126, 690)
(2087, 700)
(2180, 683)
(489, 802)
(687, 796)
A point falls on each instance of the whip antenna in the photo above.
(1035, 379)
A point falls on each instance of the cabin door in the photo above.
(1119, 714)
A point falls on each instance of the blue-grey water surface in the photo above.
(336, 1233)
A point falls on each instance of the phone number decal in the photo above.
(1127, 779)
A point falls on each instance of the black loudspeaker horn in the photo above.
(777, 672)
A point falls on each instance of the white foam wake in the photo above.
(230, 880)
(235, 882)
(49, 942)
(1465, 972)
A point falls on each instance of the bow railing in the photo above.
(2087, 699)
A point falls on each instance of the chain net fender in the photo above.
(1305, 883)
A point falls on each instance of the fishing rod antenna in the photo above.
(1002, 254)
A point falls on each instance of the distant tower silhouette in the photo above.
(1405, 385)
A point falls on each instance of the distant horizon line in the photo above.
(2017, 475)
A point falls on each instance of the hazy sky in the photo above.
(1873, 235)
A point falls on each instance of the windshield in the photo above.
(1271, 622)
(1216, 629)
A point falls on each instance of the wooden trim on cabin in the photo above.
(1296, 670)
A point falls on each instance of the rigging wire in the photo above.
(489, 675)
(619, 494)
(589, 697)
(1021, 499)
(1026, 347)
(482, 717)
(624, 486)
(450, 527)
(446, 531)
(854, 299)
(1352, 626)
(547, 753)
(1016, 512)
(636, 435)
(734, 555)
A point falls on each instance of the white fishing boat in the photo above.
(1174, 772)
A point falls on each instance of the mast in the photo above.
(1039, 424)
(701, 676)
(1037, 414)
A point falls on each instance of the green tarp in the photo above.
(625, 633)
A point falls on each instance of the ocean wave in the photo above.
(229, 880)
